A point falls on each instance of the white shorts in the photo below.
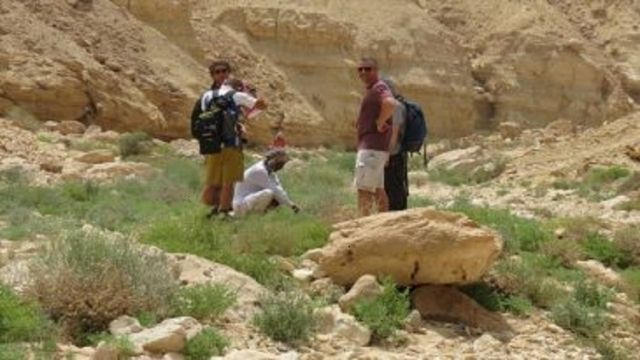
(370, 170)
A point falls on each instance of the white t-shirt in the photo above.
(240, 98)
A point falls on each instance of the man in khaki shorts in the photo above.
(374, 133)
(225, 168)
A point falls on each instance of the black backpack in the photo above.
(416, 130)
(216, 126)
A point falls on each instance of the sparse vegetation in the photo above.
(628, 240)
(479, 175)
(203, 302)
(136, 143)
(86, 279)
(519, 234)
(598, 247)
(631, 277)
(386, 313)
(286, 317)
(584, 312)
(20, 320)
(599, 183)
(494, 300)
(206, 344)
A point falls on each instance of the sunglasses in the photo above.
(364, 69)
(220, 71)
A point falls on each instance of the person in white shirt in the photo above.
(261, 189)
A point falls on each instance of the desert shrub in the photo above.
(21, 320)
(206, 344)
(584, 312)
(631, 205)
(519, 234)
(496, 300)
(631, 183)
(286, 317)
(203, 302)
(479, 175)
(598, 247)
(121, 343)
(134, 144)
(531, 277)
(598, 183)
(384, 314)
(13, 351)
(566, 250)
(85, 280)
(631, 277)
(517, 305)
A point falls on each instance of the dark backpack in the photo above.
(416, 130)
(216, 126)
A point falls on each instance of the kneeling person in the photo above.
(261, 189)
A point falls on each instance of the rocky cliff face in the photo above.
(472, 65)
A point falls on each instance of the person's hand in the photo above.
(261, 104)
(295, 208)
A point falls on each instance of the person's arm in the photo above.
(260, 177)
(398, 121)
(279, 193)
(249, 102)
(386, 110)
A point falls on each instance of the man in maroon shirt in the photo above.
(374, 134)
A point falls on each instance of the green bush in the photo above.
(584, 312)
(479, 176)
(598, 183)
(631, 277)
(531, 277)
(385, 314)
(203, 302)
(14, 351)
(519, 234)
(494, 300)
(121, 343)
(20, 320)
(206, 344)
(136, 143)
(286, 317)
(600, 248)
(86, 279)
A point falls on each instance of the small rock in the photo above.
(284, 264)
(51, 125)
(304, 275)
(366, 287)
(96, 157)
(413, 323)
(106, 352)
(170, 335)
(509, 129)
(560, 233)
(125, 325)
(326, 287)
(51, 167)
(69, 127)
(615, 202)
(314, 255)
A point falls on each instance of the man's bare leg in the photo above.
(365, 201)
(382, 200)
(211, 196)
(226, 197)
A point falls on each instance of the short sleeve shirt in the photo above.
(369, 138)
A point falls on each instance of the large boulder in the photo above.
(450, 304)
(417, 246)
